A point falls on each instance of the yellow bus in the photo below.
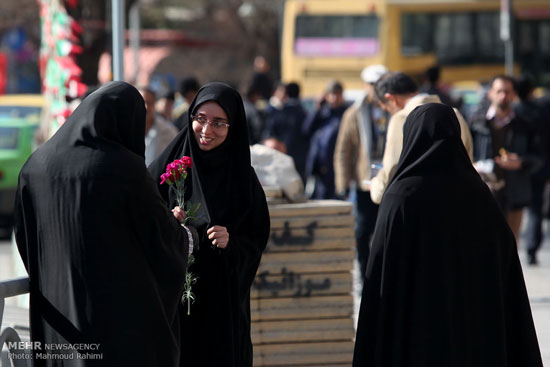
(336, 39)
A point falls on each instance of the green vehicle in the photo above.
(16, 145)
(18, 125)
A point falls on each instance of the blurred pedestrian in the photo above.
(254, 118)
(276, 100)
(233, 232)
(431, 85)
(529, 110)
(285, 124)
(158, 132)
(444, 285)
(188, 89)
(323, 127)
(164, 106)
(360, 144)
(399, 95)
(261, 78)
(276, 144)
(510, 141)
(105, 257)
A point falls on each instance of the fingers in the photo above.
(510, 163)
(219, 243)
(219, 236)
(178, 213)
(216, 229)
(512, 156)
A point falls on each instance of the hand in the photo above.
(366, 184)
(342, 195)
(510, 162)
(219, 236)
(179, 214)
(321, 100)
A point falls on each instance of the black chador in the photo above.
(105, 256)
(217, 333)
(444, 285)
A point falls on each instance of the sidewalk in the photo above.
(537, 279)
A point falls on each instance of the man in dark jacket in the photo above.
(286, 126)
(511, 142)
(529, 110)
(323, 128)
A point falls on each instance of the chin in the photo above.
(208, 147)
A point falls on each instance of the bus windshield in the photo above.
(336, 35)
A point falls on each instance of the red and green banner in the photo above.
(3, 72)
(58, 68)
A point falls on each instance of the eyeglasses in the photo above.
(218, 124)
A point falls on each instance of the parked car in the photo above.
(21, 105)
(19, 119)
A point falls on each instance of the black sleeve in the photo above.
(245, 249)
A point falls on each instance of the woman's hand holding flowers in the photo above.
(179, 213)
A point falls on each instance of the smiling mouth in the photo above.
(205, 140)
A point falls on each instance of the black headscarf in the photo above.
(430, 144)
(221, 175)
(111, 117)
(218, 331)
(105, 257)
(444, 285)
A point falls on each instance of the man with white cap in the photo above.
(359, 146)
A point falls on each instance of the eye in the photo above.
(218, 124)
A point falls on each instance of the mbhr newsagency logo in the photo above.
(26, 350)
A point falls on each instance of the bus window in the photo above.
(336, 35)
(416, 34)
(544, 38)
(490, 47)
(454, 38)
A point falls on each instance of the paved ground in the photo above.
(537, 279)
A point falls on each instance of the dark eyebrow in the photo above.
(214, 118)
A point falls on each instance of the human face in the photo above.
(149, 99)
(335, 99)
(391, 105)
(164, 106)
(502, 94)
(208, 137)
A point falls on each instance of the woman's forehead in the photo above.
(211, 108)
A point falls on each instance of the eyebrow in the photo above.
(215, 118)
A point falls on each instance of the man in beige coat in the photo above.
(399, 95)
(360, 143)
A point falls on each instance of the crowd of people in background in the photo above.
(452, 191)
(349, 149)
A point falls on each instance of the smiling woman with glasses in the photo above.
(210, 125)
(233, 222)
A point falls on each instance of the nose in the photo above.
(205, 126)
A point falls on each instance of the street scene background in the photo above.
(53, 53)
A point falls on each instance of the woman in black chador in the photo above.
(106, 258)
(233, 223)
(444, 285)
